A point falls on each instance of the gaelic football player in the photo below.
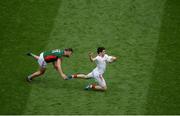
(53, 56)
(101, 59)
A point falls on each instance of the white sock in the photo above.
(90, 86)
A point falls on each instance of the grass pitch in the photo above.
(143, 34)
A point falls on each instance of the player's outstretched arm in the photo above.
(113, 58)
(58, 67)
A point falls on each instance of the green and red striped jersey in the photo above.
(53, 55)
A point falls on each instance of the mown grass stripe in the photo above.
(163, 95)
(25, 25)
(128, 29)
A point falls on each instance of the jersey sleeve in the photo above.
(108, 58)
(59, 56)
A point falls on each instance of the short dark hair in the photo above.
(100, 49)
(68, 49)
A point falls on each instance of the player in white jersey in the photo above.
(101, 59)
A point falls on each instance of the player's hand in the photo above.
(114, 58)
(64, 76)
(91, 54)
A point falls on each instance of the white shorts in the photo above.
(42, 63)
(98, 77)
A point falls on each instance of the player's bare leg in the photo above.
(33, 55)
(38, 73)
(82, 76)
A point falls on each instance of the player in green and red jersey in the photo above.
(53, 56)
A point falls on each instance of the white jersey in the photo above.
(101, 63)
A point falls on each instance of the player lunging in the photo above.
(101, 59)
(54, 57)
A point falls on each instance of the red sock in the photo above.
(75, 76)
(93, 86)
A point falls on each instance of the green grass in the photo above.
(25, 27)
(142, 34)
(163, 96)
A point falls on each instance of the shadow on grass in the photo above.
(163, 96)
(25, 26)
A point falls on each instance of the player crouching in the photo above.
(53, 56)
